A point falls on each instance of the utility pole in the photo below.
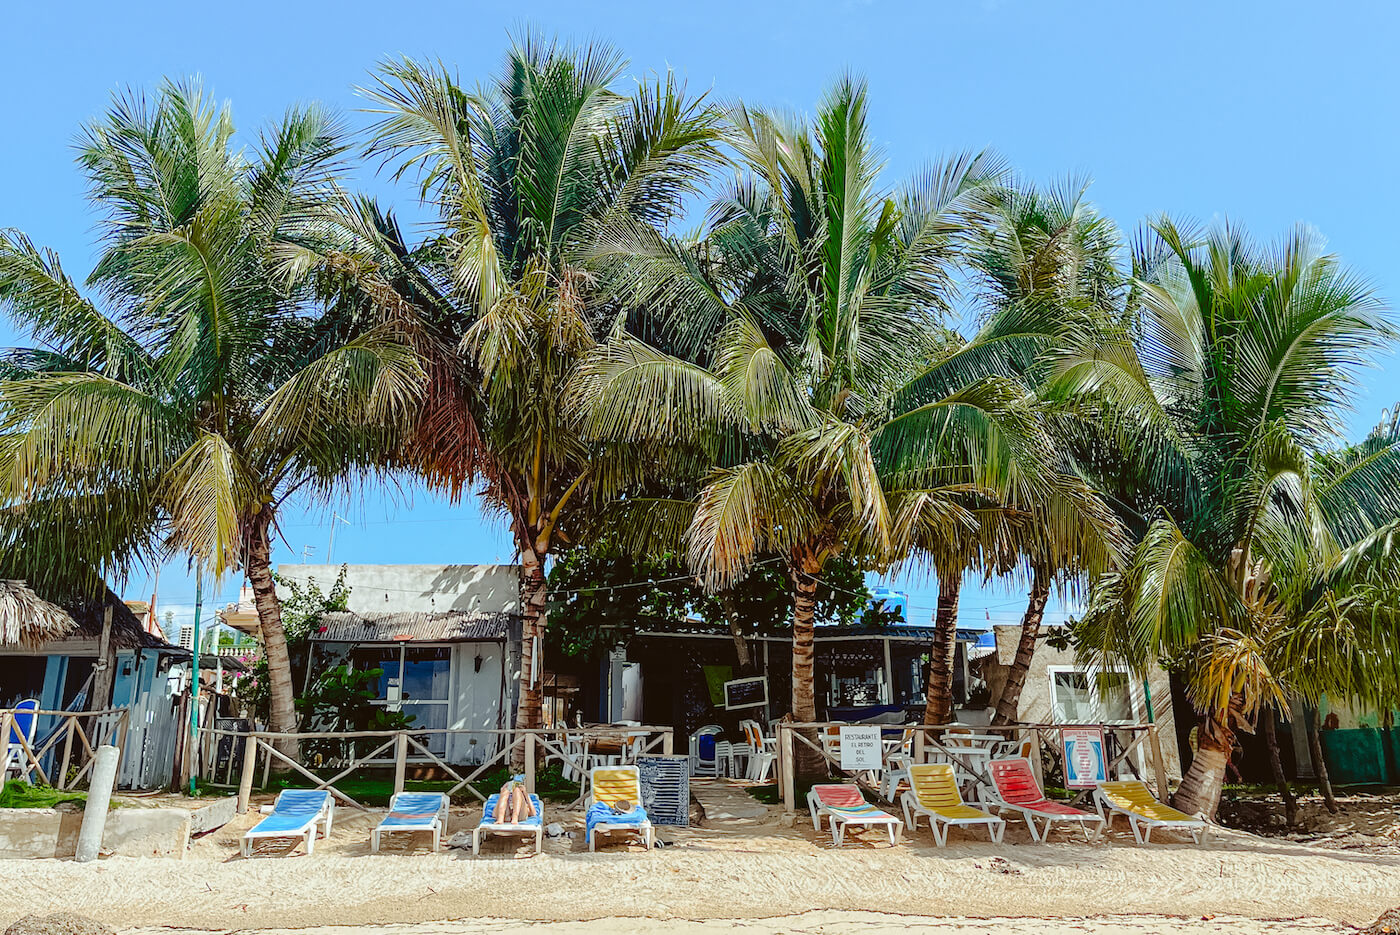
(194, 680)
(330, 545)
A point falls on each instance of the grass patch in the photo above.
(550, 785)
(769, 794)
(18, 794)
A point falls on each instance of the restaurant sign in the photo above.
(1085, 765)
(860, 747)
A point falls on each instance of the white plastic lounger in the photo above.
(612, 786)
(296, 813)
(934, 794)
(413, 811)
(1131, 798)
(531, 825)
(844, 805)
(1016, 790)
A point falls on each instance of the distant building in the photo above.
(446, 638)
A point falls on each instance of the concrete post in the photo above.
(104, 775)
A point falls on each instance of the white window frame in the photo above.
(1135, 707)
(449, 702)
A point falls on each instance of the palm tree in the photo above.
(1040, 261)
(197, 388)
(804, 308)
(1262, 566)
(1044, 260)
(526, 176)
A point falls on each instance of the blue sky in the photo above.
(1269, 113)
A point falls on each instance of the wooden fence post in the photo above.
(1037, 758)
(400, 761)
(668, 741)
(789, 781)
(68, 728)
(530, 762)
(5, 718)
(250, 767)
(1159, 767)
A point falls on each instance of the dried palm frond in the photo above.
(27, 620)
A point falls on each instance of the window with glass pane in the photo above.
(426, 673)
(1078, 700)
(1071, 697)
(429, 715)
(1114, 698)
(385, 658)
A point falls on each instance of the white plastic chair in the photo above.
(762, 751)
(699, 766)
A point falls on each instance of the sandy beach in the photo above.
(748, 872)
(831, 923)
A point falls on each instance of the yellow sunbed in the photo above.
(1131, 798)
(934, 794)
(612, 786)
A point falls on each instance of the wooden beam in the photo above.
(250, 766)
(106, 663)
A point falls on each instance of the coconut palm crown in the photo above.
(176, 401)
(525, 176)
(1262, 537)
(800, 321)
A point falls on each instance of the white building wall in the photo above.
(427, 588)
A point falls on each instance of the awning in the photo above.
(397, 627)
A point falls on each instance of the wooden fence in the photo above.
(928, 738)
(90, 730)
(394, 747)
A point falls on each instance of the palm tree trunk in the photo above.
(1199, 792)
(1324, 782)
(736, 632)
(281, 694)
(1290, 801)
(529, 711)
(1010, 698)
(938, 692)
(808, 763)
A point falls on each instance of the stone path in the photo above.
(726, 803)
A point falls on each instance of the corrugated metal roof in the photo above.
(446, 626)
(896, 631)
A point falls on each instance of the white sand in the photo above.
(766, 877)
(832, 923)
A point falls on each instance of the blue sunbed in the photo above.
(295, 814)
(413, 811)
(533, 824)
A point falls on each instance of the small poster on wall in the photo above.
(745, 693)
(860, 747)
(1085, 765)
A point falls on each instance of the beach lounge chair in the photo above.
(611, 786)
(528, 825)
(296, 813)
(1130, 797)
(933, 793)
(1015, 789)
(842, 805)
(413, 811)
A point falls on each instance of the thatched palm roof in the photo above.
(27, 620)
